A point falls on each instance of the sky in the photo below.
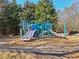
(59, 4)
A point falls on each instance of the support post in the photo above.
(20, 33)
(65, 28)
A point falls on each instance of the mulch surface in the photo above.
(68, 48)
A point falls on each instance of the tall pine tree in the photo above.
(45, 10)
(28, 11)
(13, 17)
(3, 14)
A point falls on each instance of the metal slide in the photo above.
(28, 35)
(57, 34)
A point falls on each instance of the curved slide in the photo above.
(28, 35)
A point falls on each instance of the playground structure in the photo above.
(29, 29)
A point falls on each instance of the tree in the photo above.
(71, 15)
(13, 17)
(3, 4)
(45, 11)
(28, 11)
(42, 11)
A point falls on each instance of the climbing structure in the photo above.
(42, 29)
(29, 29)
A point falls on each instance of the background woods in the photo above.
(11, 13)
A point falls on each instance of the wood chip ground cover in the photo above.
(47, 45)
